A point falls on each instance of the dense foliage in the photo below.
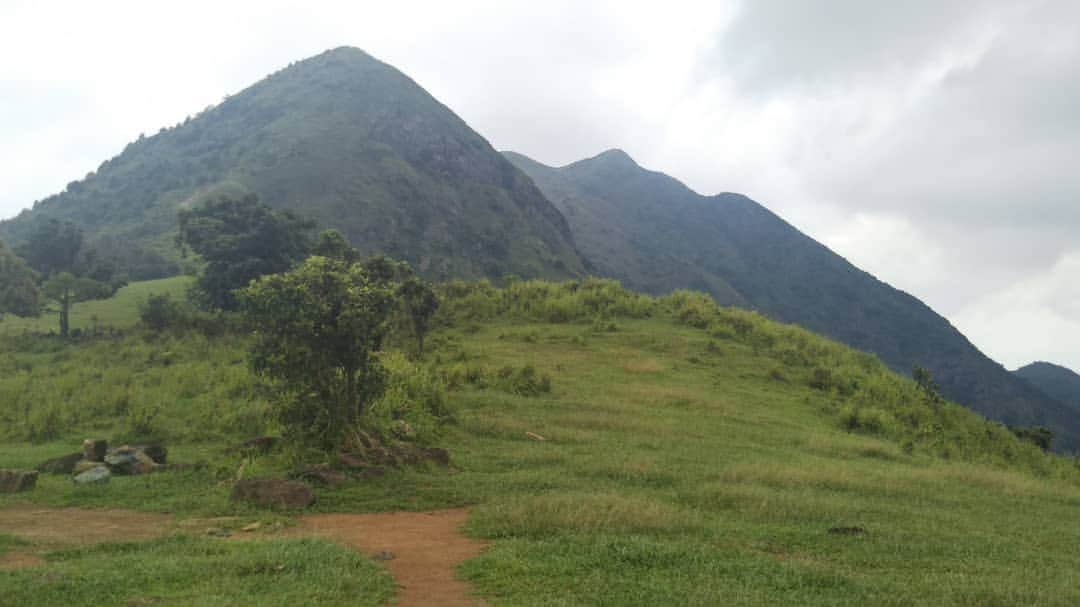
(19, 293)
(317, 329)
(240, 239)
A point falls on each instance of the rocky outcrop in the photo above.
(15, 481)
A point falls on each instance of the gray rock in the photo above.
(60, 465)
(94, 450)
(14, 481)
(122, 463)
(99, 474)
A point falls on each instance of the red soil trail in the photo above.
(421, 549)
(426, 548)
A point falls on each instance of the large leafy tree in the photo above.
(19, 293)
(71, 270)
(240, 239)
(66, 289)
(420, 304)
(317, 329)
(54, 246)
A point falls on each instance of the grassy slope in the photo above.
(122, 310)
(655, 234)
(681, 466)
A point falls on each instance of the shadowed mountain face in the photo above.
(349, 141)
(655, 234)
(1060, 383)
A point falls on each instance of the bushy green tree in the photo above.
(420, 305)
(72, 271)
(53, 247)
(240, 239)
(67, 289)
(19, 293)
(317, 328)
(333, 245)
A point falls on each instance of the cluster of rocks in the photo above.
(97, 463)
(370, 459)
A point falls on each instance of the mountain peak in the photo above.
(615, 156)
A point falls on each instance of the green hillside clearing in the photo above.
(691, 455)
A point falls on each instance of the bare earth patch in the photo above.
(421, 549)
(19, 560)
(62, 527)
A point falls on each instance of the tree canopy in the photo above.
(240, 239)
(19, 293)
(317, 328)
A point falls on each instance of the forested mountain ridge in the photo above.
(342, 138)
(1060, 383)
(656, 234)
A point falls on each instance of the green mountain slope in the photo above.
(656, 234)
(349, 141)
(691, 455)
(1057, 382)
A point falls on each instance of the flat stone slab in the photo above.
(14, 481)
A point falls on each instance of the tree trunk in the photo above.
(65, 306)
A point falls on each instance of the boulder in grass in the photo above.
(84, 465)
(94, 450)
(14, 481)
(60, 465)
(122, 463)
(96, 475)
(273, 493)
(158, 453)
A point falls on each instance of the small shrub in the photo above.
(160, 312)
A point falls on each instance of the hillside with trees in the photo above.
(345, 140)
(656, 234)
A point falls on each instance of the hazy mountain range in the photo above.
(360, 147)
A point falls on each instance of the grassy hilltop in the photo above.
(691, 454)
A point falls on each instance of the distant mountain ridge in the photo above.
(349, 141)
(656, 234)
(1056, 381)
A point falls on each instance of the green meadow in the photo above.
(615, 449)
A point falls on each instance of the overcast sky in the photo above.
(934, 143)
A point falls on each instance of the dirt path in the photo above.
(421, 549)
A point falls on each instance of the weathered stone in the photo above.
(144, 464)
(158, 453)
(273, 493)
(60, 465)
(94, 450)
(14, 481)
(98, 474)
(84, 465)
(123, 463)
